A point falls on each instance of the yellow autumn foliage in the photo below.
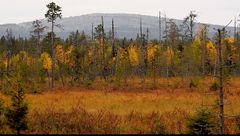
(169, 55)
(133, 55)
(233, 55)
(46, 61)
(3, 60)
(90, 55)
(230, 40)
(121, 53)
(60, 53)
(150, 52)
(211, 52)
(21, 57)
(68, 55)
(63, 56)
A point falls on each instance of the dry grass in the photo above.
(173, 103)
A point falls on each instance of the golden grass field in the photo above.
(173, 103)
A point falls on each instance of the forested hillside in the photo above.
(126, 25)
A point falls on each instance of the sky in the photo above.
(209, 11)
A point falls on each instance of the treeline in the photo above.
(82, 58)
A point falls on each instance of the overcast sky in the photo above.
(209, 11)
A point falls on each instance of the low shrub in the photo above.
(214, 86)
(193, 84)
(78, 121)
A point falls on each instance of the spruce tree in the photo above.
(202, 123)
(16, 113)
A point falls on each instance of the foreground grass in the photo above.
(77, 110)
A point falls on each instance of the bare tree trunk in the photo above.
(203, 52)
(38, 45)
(53, 55)
(8, 61)
(215, 69)
(92, 33)
(160, 27)
(167, 70)
(235, 29)
(60, 75)
(103, 51)
(221, 93)
(203, 64)
(49, 79)
(154, 74)
(143, 68)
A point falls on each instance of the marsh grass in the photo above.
(131, 109)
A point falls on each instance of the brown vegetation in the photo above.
(104, 111)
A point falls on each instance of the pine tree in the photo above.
(54, 12)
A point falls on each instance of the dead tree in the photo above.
(144, 52)
(114, 50)
(10, 39)
(160, 27)
(235, 29)
(202, 35)
(103, 41)
(188, 23)
(38, 29)
(147, 35)
(141, 33)
(221, 94)
(92, 33)
(220, 77)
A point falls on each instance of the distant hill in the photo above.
(126, 25)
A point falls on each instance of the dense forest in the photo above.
(46, 62)
(82, 58)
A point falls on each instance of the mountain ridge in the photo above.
(126, 25)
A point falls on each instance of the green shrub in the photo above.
(88, 83)
(1, 111)
(193, 84)
(202, 123)
(159, 127)
(237, 120)
(2, 130)
(1, 107)
(214, 86)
